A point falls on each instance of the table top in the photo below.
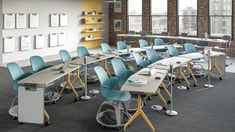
(151, 85)
(92, 59)
(174, 61)
(47, 76)
(175, 37)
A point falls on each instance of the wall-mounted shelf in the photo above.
(93, 23)
(93, 31)
(93, 39)
(92, 15)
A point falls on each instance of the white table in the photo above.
(151, 87)
(31, 94)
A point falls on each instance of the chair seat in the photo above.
(117, 95)
(145, 63)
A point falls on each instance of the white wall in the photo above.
(44, 8)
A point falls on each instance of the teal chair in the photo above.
(152, 55)
(110, 90)
(64, 54)
(82, 51)
(196, 67)
(143, 43)
(17, 75)
(106, 48)
(159, 41)
(189, 48)
(121, 71)
(121, 45)
(38, 64)
(141, 63)
(173, 51)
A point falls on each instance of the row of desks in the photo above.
(31, 102)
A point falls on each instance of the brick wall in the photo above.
(203, 20)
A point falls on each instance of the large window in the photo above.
(135, 15)
(220, 17)
(187, 17)
(159, 16)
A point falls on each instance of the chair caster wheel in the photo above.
(173, 84)
(76, 99)
(221, 78)
(179, 81)
(169, 102)
(54, 102)
(103, 127)
(188, 88)
(149, 98)
(47, 123)
(14, 118)
(21, 123)
(163, 108)
(195, 85)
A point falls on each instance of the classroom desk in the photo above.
(151, 87)
(31, 94)
(217, 61)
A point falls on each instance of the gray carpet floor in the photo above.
(209, 110)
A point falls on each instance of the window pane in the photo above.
(188, 24)
(159, 24)
(135, 7)
(135, 23)
(187, 7)
(220, 7)
(220, 26)
(159, 7)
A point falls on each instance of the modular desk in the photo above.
(31, 94)
(217, 61)
(151, 87)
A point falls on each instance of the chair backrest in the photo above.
(228, 38)
(138, 58)
(101, 73)
(15, 70)
(82, 51)
(158, 41)
(143, 43)
(106, 48)
(165, 33)
(121, 45)
(152, 55)
(172, 50)
(189, 48)
(143, 33)
(37, 63)
(118, 66)
(184, 34)
(131, 32)
(64, 54)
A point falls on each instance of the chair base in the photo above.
(13, 111)
(114, 105)
(55, 97)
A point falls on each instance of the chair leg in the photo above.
(118, 113)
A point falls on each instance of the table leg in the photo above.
(47, 116)
(137, 113)
(165, 88)
(106, 67)
(191, 73)
(78, 78)
(68, 83)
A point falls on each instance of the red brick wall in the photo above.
(203, 19)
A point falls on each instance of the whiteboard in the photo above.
(9, 44)
(63, 20)
(54, 20)
(9, 21)
(39, 41)
(25, 43)
(61, 39)
(33, 20)
(20, 20)
(53, 40)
